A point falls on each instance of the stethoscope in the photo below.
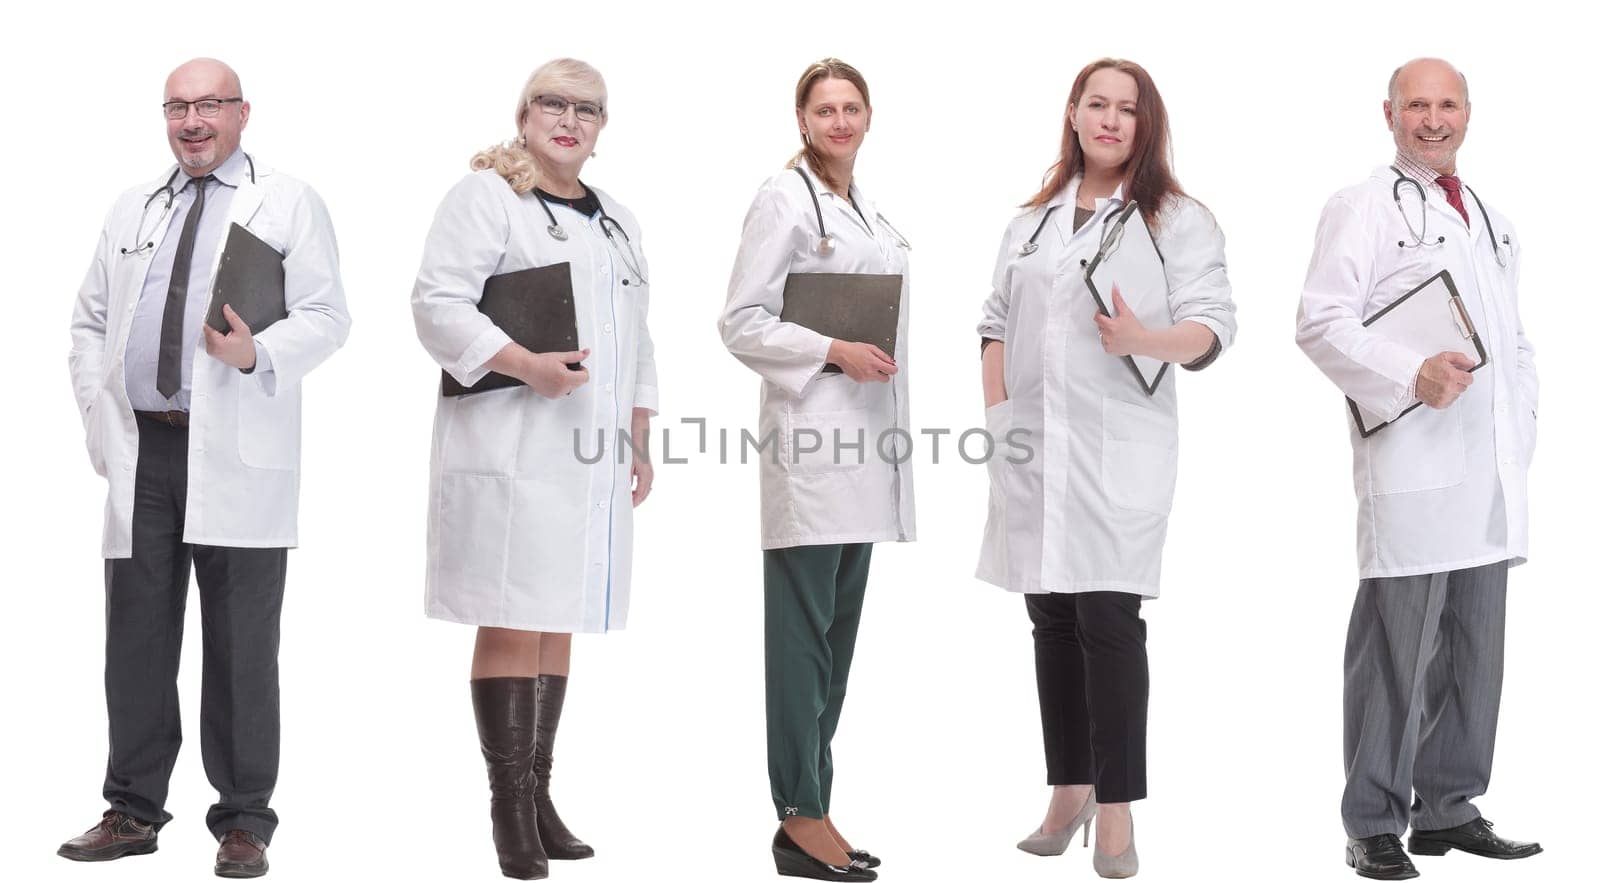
(607, 225)
(171, 196)
(1111, 236)
(826, 244)
(1421, 238)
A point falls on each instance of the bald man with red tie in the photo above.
(1442, 489)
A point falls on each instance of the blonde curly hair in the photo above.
(562, 76)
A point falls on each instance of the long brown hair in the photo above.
(1147, 174)
(826, 69)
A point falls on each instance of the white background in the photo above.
(661, 759)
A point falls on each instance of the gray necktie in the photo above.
(169, 366)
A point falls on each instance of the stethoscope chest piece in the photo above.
(825, 245)
(1029, 248)
(556, 232)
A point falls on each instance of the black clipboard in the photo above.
(250, 280)
(1463, 323)
(854, 307)
(1109, 242)
(534, 307)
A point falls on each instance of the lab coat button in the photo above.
(608, 387)
(607, 327)
(602, 504)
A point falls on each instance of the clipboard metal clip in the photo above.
(1113, 234)
(1458, 312)
(1113, 238)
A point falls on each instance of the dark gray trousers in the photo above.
(1422, 671)
(241, 596)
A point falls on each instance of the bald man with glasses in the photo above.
(197, 433)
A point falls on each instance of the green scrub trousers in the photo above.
(813, 606)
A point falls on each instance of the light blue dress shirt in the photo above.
(144, 335)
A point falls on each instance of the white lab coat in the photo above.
(244, 429)
(521, 533)
(1437, 490)
(839, 493)
(1087, 510)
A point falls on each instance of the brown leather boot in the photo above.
(558, 841)
(506, 710)
(241, 854)
(117, 835)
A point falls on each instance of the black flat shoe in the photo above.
(866, 858)
(1475, 837)
(792, 861)
(1379, 857)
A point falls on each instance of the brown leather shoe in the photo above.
(117, 835)
(241, 854)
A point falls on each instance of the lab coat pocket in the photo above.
(1423, 451)
(1139, 456)
(997, 422)
(269, 426)
(482, 432)
(94, 434)
(826, 441)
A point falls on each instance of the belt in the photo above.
(179, 419)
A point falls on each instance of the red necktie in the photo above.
(1452, 194)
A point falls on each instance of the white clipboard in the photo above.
(1428, 320)
(1128, 258)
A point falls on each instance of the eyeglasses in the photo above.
(206, 107)
(555, 105)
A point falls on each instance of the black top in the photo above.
(587, 205)
(1080, 216)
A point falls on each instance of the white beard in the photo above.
(200, 160)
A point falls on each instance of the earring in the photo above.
(522, 141)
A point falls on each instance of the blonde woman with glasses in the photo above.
(529, 533)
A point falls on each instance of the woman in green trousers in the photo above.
(836, 477)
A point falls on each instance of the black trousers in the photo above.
(241, 596)
(1094, 690)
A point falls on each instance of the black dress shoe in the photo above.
(1379, 857)
(1476, 837)
(866, 858)
(792, 861)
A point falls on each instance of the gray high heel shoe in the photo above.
(1040, 843)
(1116, 867)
